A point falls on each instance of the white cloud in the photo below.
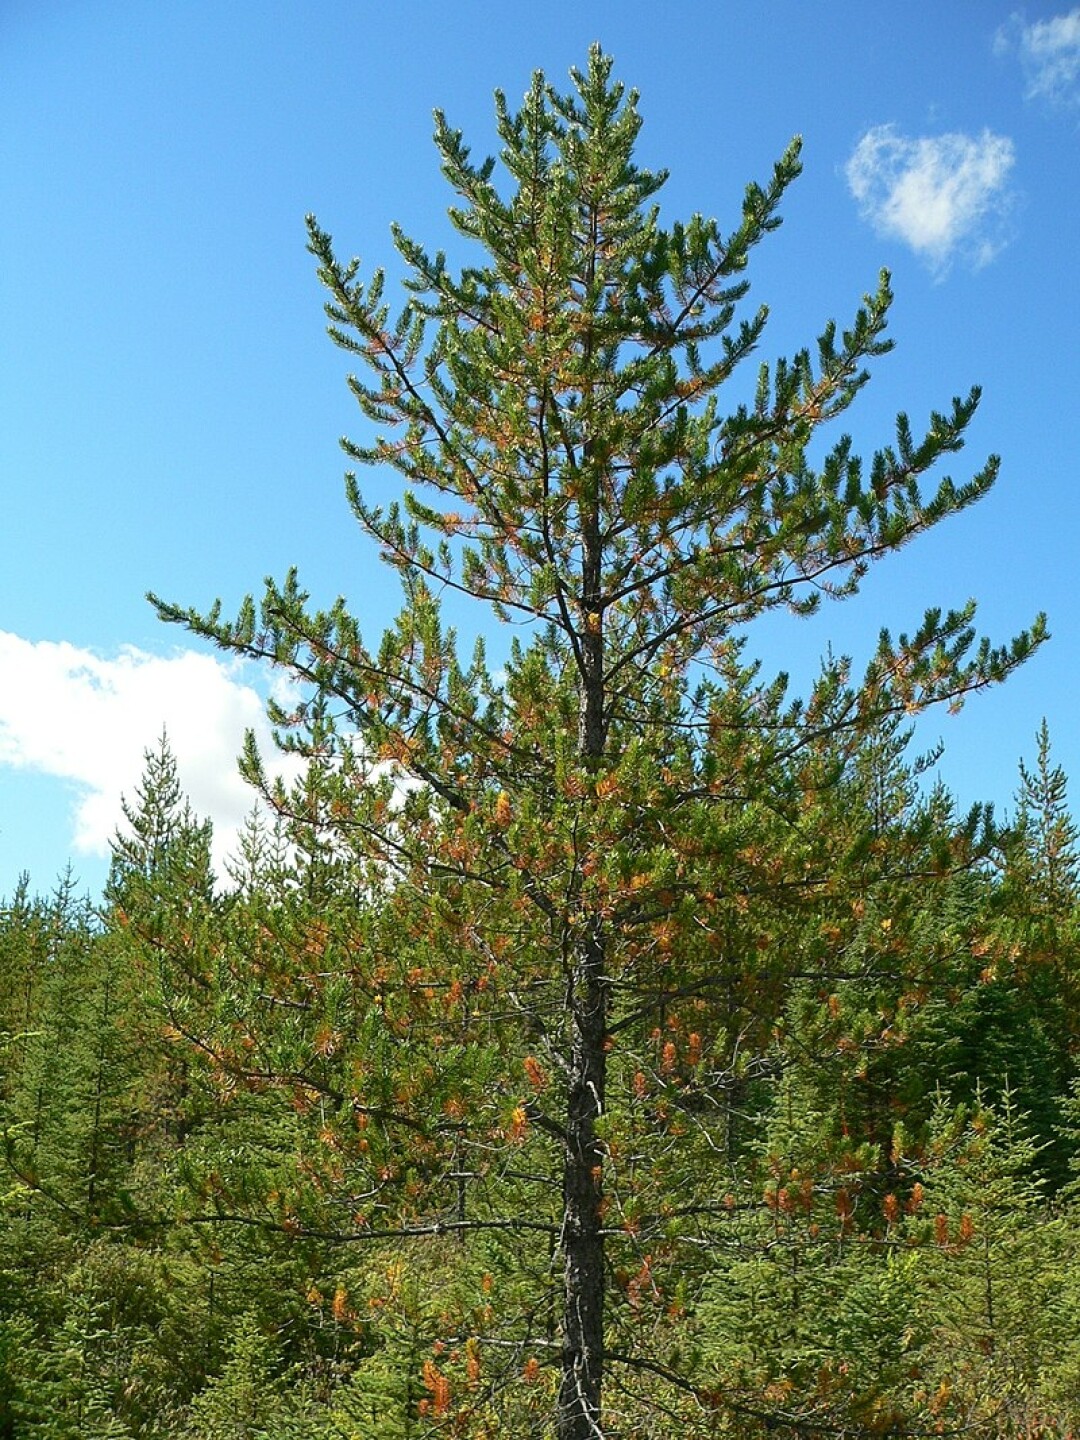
(87, 719)
(1050, 54)
(944, 196)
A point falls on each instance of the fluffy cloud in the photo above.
(944, 196)
(1050, 54)
(88, 719)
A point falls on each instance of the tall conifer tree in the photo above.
(595, 841)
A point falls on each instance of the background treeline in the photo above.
(853, 1211)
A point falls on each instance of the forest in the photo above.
(595, 1041)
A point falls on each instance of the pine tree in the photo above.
(1047, 831)
(544, 1006)
(994, 1269)
(162, 844)
(52, 1128)
(1041, 885)
(159, 910)
(1017, 1029)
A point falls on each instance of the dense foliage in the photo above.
(599, 1044)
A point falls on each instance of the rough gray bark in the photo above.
(579, 1409)
(582, 1233)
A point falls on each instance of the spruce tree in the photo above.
(1048, 833)
(583, 881)
(161, 845)
(1021, 1023)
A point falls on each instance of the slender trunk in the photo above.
(579, 1412)
(582, 1235)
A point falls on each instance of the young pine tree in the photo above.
(1041, 881)
(1048, 832)
(582, 873)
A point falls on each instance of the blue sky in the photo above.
(170, 406)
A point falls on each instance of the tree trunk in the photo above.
(582, 1235)
(579, 1409)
